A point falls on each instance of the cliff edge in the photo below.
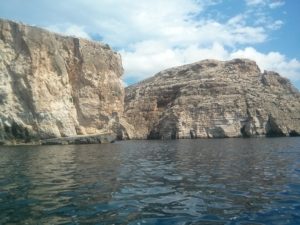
(55, 86)
(213, 99)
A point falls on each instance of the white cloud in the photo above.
(134, 21)
(70, 30)
(276, 4)
(255, 2)
(77, 31)
(150, 57)
(272, 4)
(275, 25)
(147, 58)
(180, 22)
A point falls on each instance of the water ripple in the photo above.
(226, 181)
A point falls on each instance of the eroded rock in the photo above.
(213, 99)
(55, 86)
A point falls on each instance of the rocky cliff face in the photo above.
(53, 86)
(212, 99)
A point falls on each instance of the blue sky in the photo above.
(152, 35)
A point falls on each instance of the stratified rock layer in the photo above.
(212, 99)
(55, 86)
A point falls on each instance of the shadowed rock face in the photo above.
(213, 99)
(54, 86)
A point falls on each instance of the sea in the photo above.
(200, 181)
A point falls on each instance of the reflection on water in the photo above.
(222, 181)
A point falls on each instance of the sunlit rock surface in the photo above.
(213, 99)
(55, 86)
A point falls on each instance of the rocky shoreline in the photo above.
(81, 139)
(73, 140)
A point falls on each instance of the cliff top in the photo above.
(35, 29)
(238, 70)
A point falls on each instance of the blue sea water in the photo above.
(220, 181)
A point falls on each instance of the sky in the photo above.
(152, 35)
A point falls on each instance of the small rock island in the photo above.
(65, 90)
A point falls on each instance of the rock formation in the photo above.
(213, 99)
(55, 86)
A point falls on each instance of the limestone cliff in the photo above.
(54, 86)
(211, 99)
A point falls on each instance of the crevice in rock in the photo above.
(154, 135)
(23, 94)
(10, 130)
(272, 128)
(193, 134)
(216, 132)
(74, 69)
(294, 133)
(245, 131)
(246, 127)
(174, 134)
